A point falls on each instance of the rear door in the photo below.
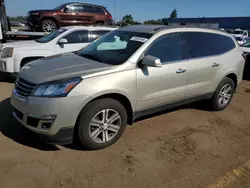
(76, 40)
(200, 50)
(86, 15)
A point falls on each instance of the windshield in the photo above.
(61, 6)
(116, 47)
(239, 32)
(51, 36)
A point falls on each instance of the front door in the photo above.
(75, 41)
(165, 85)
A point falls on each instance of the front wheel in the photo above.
(223, 94)
(48, 26)
(101, 123)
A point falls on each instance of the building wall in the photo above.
(226, 23)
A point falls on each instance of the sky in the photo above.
(143, 10)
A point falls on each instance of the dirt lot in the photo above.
(185, 147)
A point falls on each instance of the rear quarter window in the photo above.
(99, 10)
(201, 44)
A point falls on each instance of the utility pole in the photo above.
(115, 10)
(3, 18)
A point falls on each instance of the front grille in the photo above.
(19, 114)
(33, 122)
(24, 88)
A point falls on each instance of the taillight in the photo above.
(110, 17)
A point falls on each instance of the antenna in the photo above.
(115, 10)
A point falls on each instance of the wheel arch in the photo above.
(28, 59)
(50, 18)
(233, 76)
(123, 99)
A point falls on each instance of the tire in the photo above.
(14, 75)
(48, 26)
(94, 112)
(221, 101)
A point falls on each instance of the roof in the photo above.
(157, 28)
(85, 4)
(90, 27)
(142, 28)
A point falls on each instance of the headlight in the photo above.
(7, 52)
(56, 89)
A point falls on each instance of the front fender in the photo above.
(21, 54)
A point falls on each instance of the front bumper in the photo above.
(65, 109)
(33, 21)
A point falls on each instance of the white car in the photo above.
(14, 55)
(246, 47)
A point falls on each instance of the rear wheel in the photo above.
(48, 26)
(223, 94)
(102, 123)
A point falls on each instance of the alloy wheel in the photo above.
(225, 94)
(49, 26)
(104, 126)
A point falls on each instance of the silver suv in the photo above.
(91, 95)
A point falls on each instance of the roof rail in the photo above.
(96, 25)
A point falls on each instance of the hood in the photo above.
(22, 44)
(59, 67)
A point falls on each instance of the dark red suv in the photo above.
(68, 14)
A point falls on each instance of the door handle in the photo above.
(215, 65)
(180, 71)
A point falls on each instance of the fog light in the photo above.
(46, 125)
(43, 117)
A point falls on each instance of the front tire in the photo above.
(101, 123)
(223, 94)
(48, 26)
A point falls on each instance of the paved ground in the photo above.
(186, 147)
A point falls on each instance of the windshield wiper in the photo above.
(89, 56)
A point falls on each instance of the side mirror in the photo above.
(151, 61)
(62, 41)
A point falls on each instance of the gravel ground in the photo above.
(184, 147)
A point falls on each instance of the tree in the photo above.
(174, 14)
(153, 22)
(128, 19)
(18, 18)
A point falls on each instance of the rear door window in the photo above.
(96, 34)
(77, 37)
(201, 44)
(88, 9)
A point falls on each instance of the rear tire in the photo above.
(48, 26)
(223, 94)
(101, 123)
